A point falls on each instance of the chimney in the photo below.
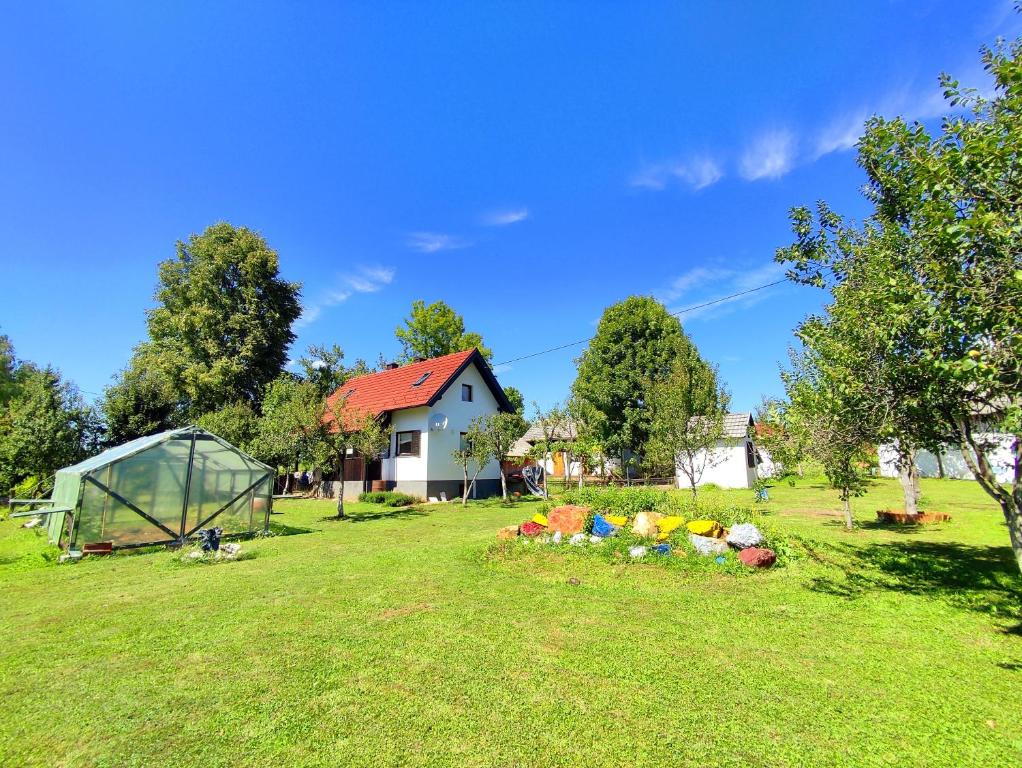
(418, 359)
(392, 366)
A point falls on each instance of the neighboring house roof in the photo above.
(413, 385)
(564, 431)
(736, 425)
(520, 448)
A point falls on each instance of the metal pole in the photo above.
(188, 489)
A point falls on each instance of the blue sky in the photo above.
(527, 163)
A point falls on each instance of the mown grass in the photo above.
(403, 637)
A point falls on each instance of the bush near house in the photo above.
(387, 498)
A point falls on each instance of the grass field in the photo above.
(400, 638)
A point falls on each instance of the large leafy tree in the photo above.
(222, 325)
(44, 425)
(636, 345)
(432, 330)
(141, 401)
(927, 292)
(502, 431)
(688, 409)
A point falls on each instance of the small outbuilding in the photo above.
(160, 489)
(732, 462)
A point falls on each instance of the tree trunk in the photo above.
(287, 480)
(464, 486)
(340, 495)
(503, 482)
(909, 477)
(546, 493)
(940, 464)
(1010, 501)
(848, 513)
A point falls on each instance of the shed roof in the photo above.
(564, 431)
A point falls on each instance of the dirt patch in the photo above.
(809, 512)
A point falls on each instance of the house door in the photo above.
(558, 464)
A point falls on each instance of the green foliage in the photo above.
(323, 367)
(618, 500)
(387, 498)
(45, 425)
(222, 325)
(476, 449)
(237, 424)
(289, 430)
(141, 402)
(688, 409)
(517, 400)
(636, 345)
(434, 330)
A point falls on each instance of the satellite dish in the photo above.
(437, 422)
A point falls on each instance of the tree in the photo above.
(141, 402)
(476, 449)
(222, 325)
(347, 431)
(552, 426)
(324, 368)
(587, 447)
(502, 431)
(688, 410)
(635, 346)
(8, 367)
(783, 435)
(837, 436)
(933, 277)
(238, 424)
(434, 330)
(290, 427)
(45, 425)
(517, 400)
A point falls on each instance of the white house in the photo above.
(428, 406)
(950, 463)
(732, 463)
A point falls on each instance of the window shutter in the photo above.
(416, 438)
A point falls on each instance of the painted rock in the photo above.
(646, 524)
(507, 533)
(531, 529)
(744, 535)
(707, 545)
(754, 557)
(705, 528)
(567, 519)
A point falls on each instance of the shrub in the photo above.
(618, 501)
(388, 498)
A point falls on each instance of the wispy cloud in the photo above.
(840, 135)
(365, 279)
(718, 284)
(431, 242)
(504, 217)
(769, 156)
(697, 172)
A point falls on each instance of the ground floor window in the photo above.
(408, 443)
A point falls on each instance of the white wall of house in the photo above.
(442, 443)
(726, 466)
(407, 468)
(999, 455)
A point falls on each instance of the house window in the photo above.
(463, 443)
(466, 393)
(750, 454)
(408, 443)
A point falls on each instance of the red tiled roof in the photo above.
(390, 390)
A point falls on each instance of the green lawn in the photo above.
(403, 637)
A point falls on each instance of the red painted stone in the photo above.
(531, 529)
(567, 519)
(756, 557)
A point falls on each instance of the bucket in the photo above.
(377, 485)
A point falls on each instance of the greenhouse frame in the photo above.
(160, 489)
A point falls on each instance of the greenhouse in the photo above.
(160, 489)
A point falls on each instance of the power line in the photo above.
(694, 307)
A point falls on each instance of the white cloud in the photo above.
(697, 172)
(431, 242)
(505, 217)
(365, 279)
(841, 135)
(769, 156)
(717, 284)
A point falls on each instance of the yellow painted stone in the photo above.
(616, 519)
(670, 524)
(539, 519)
(704, 527)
